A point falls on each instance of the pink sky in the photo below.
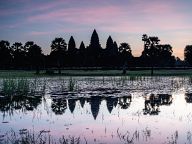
(125, 20)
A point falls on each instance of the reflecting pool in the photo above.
(96, 110)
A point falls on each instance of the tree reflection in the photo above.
(188, 97)
(23, 103)
(153, 102)
(59, 105)
(125, 102)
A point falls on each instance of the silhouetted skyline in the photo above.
(125, 21)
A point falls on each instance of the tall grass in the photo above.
(21, 87)
(30, 137)
(12, 87)
(71, 84)
(9, 87)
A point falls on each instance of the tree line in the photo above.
(30, 56)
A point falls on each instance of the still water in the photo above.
(98, 110)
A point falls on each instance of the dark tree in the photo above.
(188, 54)
(5, 55)
(165, 55)
(59, 105)
(19, 55)
(151, 52)
(94, 49)
(125, 55)
(35, 57)
(58, 49)
(28, 45)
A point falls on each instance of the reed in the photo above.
(71, 84)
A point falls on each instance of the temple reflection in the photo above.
(111, 102)
(59, 105)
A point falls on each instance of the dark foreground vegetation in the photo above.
(30, 57)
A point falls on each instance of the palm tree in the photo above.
(150, 51)
(125, 52)
(58, 47)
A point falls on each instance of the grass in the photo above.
(21, 86)
(43, 137)
(11, 87)
(71, 84)
(20, 73)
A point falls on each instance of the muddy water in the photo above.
(101, 110)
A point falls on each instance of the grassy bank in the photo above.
(13, 74)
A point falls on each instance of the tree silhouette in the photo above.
(151, 51)
(165, 55)
(58, 49)
(19, 55)
(5, 54)
(188, 54)
(30, 55)
(35, 56)
(125, 54)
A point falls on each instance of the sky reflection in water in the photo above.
(103, 111)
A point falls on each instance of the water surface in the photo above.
(101, 110)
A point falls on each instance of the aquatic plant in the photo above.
(21, 87)
(8, 87)
(30, 137)
(12, 87)
(71, 84)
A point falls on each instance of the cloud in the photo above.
(125, 17)
(134, 18)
